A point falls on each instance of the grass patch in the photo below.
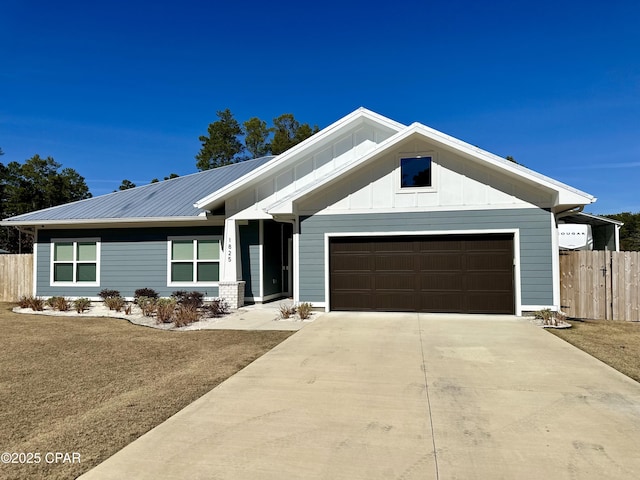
(93, 385)
(616, 343)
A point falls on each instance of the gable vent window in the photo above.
(194, 261)
(415, 172)
(75, 262)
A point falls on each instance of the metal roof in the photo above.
(167, 199)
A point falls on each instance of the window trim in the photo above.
(75, 262)
(194, 239)
(434, 172)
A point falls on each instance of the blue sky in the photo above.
(123, 89)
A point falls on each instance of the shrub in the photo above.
(115, 303)
(193, 299)
(304, 310)
(106, 293)
(147, 305)
(34, 303)
(59, 303)
(287, 310)
(81, 304)
(24, 302)
(165, 308)
(217, 307)
(550, 317)
(144, 292)
(186, 314)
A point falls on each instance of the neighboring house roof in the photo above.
(168, 200)
(3, 251)
(590, 219)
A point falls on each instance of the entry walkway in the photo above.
(402, 396)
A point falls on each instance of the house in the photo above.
(367, 214)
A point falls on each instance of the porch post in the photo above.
(231, 288)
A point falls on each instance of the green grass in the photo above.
(93, 385)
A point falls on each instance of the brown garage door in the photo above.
(452, 273)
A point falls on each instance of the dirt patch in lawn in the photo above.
(616, 343)
(92, 385)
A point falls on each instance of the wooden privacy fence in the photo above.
(16, 276)
(600, 284)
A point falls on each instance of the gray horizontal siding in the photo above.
(250, 248)
(536, 263)
(129, 259)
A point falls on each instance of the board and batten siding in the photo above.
(533, 224)
(129, 259)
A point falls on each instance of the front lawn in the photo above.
(616, 343)
(92, 385)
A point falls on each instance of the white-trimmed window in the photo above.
(75, 261)
(193, 261)
(416, 171)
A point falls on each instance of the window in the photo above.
(194, 261)
(415, 172)
(75, 261)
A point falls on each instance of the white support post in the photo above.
(231, 288)
(231, 263)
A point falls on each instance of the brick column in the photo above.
(232, 293)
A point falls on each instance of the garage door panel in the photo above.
(438, 261)
(395, 302)
(489, 303)
(489, 282)
(354, 263)
(455, 273)
(442, 282)
(398, 263)
(351, 302)
(396, 282)
(442, 302)
(352, 281)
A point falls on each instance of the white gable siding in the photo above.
(307, 170)
(457, 183)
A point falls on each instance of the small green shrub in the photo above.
(194, 299)
(304, 310)
(287, 310)
(59, 303)
(186, 315)
(106, 293)
(81, 304)
(144, 292)
(164, 309)
(147, 305)
(115, 303)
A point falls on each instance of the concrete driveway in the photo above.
(403, 396)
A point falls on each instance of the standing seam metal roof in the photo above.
(170, 198)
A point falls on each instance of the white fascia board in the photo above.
(359, 115)
(566, 194)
